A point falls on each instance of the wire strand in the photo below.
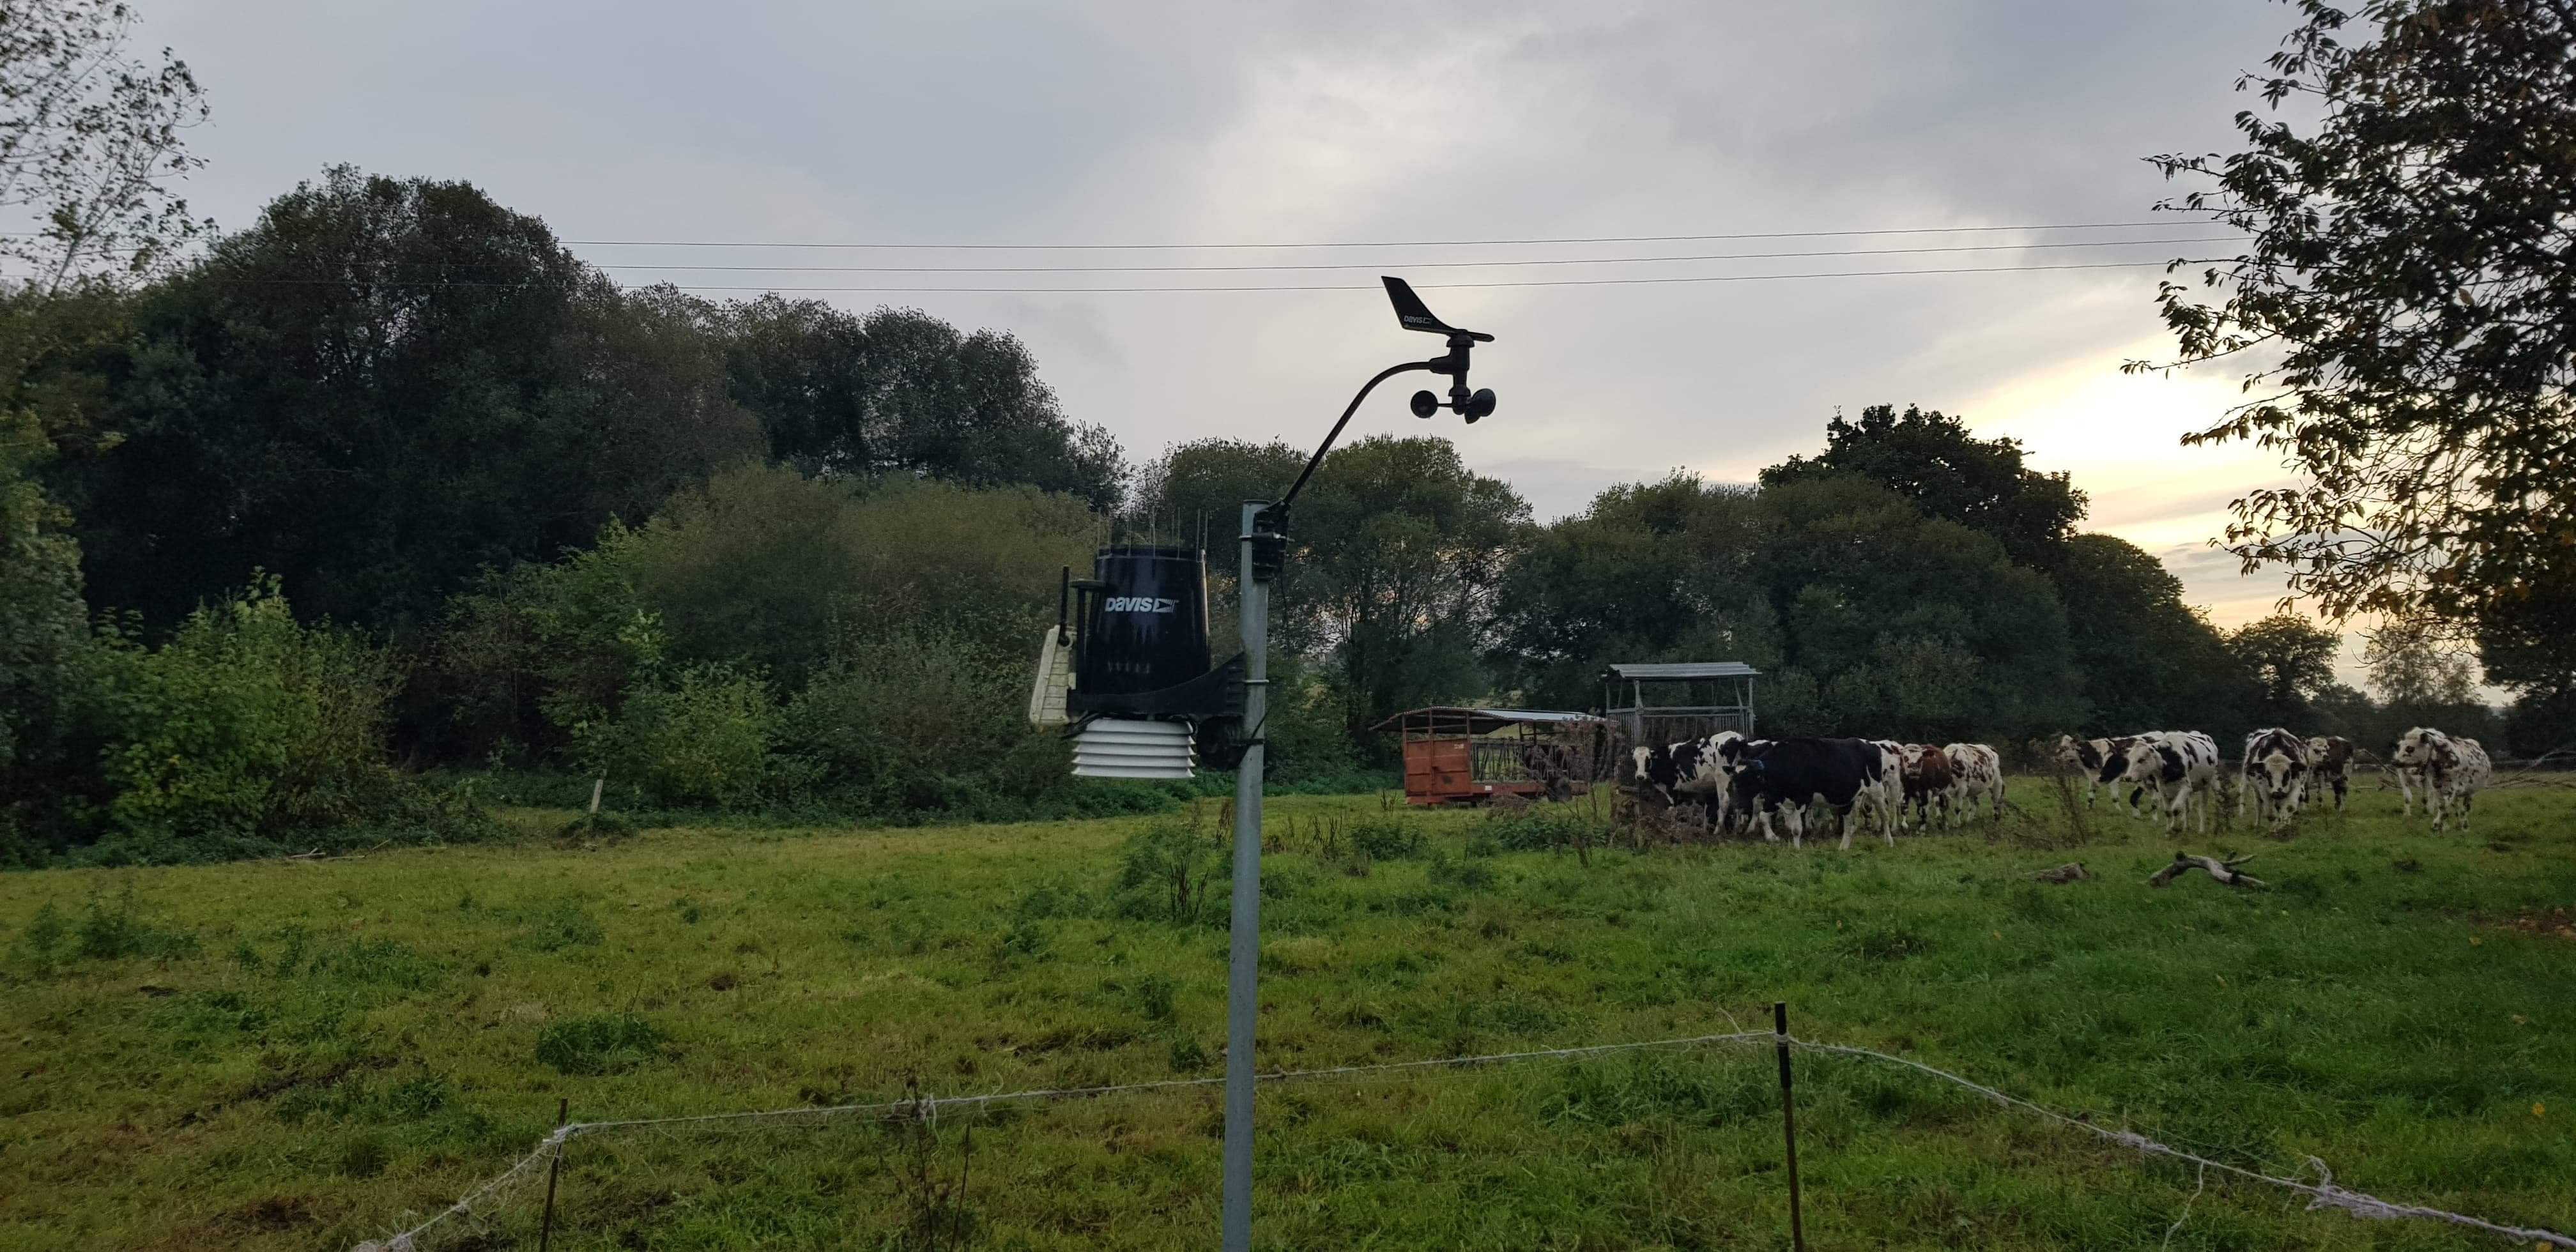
(1119, 290)
(1370, 243)
(1373, 265)
(873, 245)
(2322, 1194)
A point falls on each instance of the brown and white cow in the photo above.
(2451, 767)
(2330, 764)
(2274, 778)
(1976, 772)
(1924, 778)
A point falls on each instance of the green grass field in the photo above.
(301, 1055)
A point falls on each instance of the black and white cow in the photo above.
(1888, 801)
(1690, 769)
(2178, 765)
(1787, 775)
(2330, 764)
(2451, 768)
(2085, 756)
(1976, 772)
(2274, 777)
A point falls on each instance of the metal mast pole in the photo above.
(1262, 541)
(1242, 1005)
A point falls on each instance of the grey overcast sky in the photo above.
(1221, 123)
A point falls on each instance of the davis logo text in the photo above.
(1137, 604)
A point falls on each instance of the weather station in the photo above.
(1125, 673)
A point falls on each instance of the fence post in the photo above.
(1788, 1123)
(546, 1227)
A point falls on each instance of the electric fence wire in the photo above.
(2322, 1194)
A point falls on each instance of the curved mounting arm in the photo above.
(1336, 433)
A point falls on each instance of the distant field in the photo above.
(302, 1055)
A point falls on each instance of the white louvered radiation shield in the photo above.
(1119, 747)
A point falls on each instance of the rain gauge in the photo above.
(1126, 665)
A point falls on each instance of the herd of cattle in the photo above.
(1746, 783)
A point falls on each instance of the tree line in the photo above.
(389, 482)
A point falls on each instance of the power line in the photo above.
(1379, 243)
(1075, 291)
(1408, 265)
(1362, 265)
(1373, 243)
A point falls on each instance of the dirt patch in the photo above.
(327, 1076)
(276, 1212)
(2559, 922)
(279, 1084)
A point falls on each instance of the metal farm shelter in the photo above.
(1691, 699)
(1469, 756)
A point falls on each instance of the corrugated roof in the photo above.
(1685, 669)
(1487, 719)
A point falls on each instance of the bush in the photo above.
(1537, 829)
(42, 941)
(1386, 841)
(113, 930)
(708, 736)
(926, 721)
(247, 724)
(767, 570)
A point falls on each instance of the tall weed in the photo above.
(1165, 874)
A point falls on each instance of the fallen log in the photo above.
(2072, 871)
(2224, 871)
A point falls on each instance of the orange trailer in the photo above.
(1469, 756)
